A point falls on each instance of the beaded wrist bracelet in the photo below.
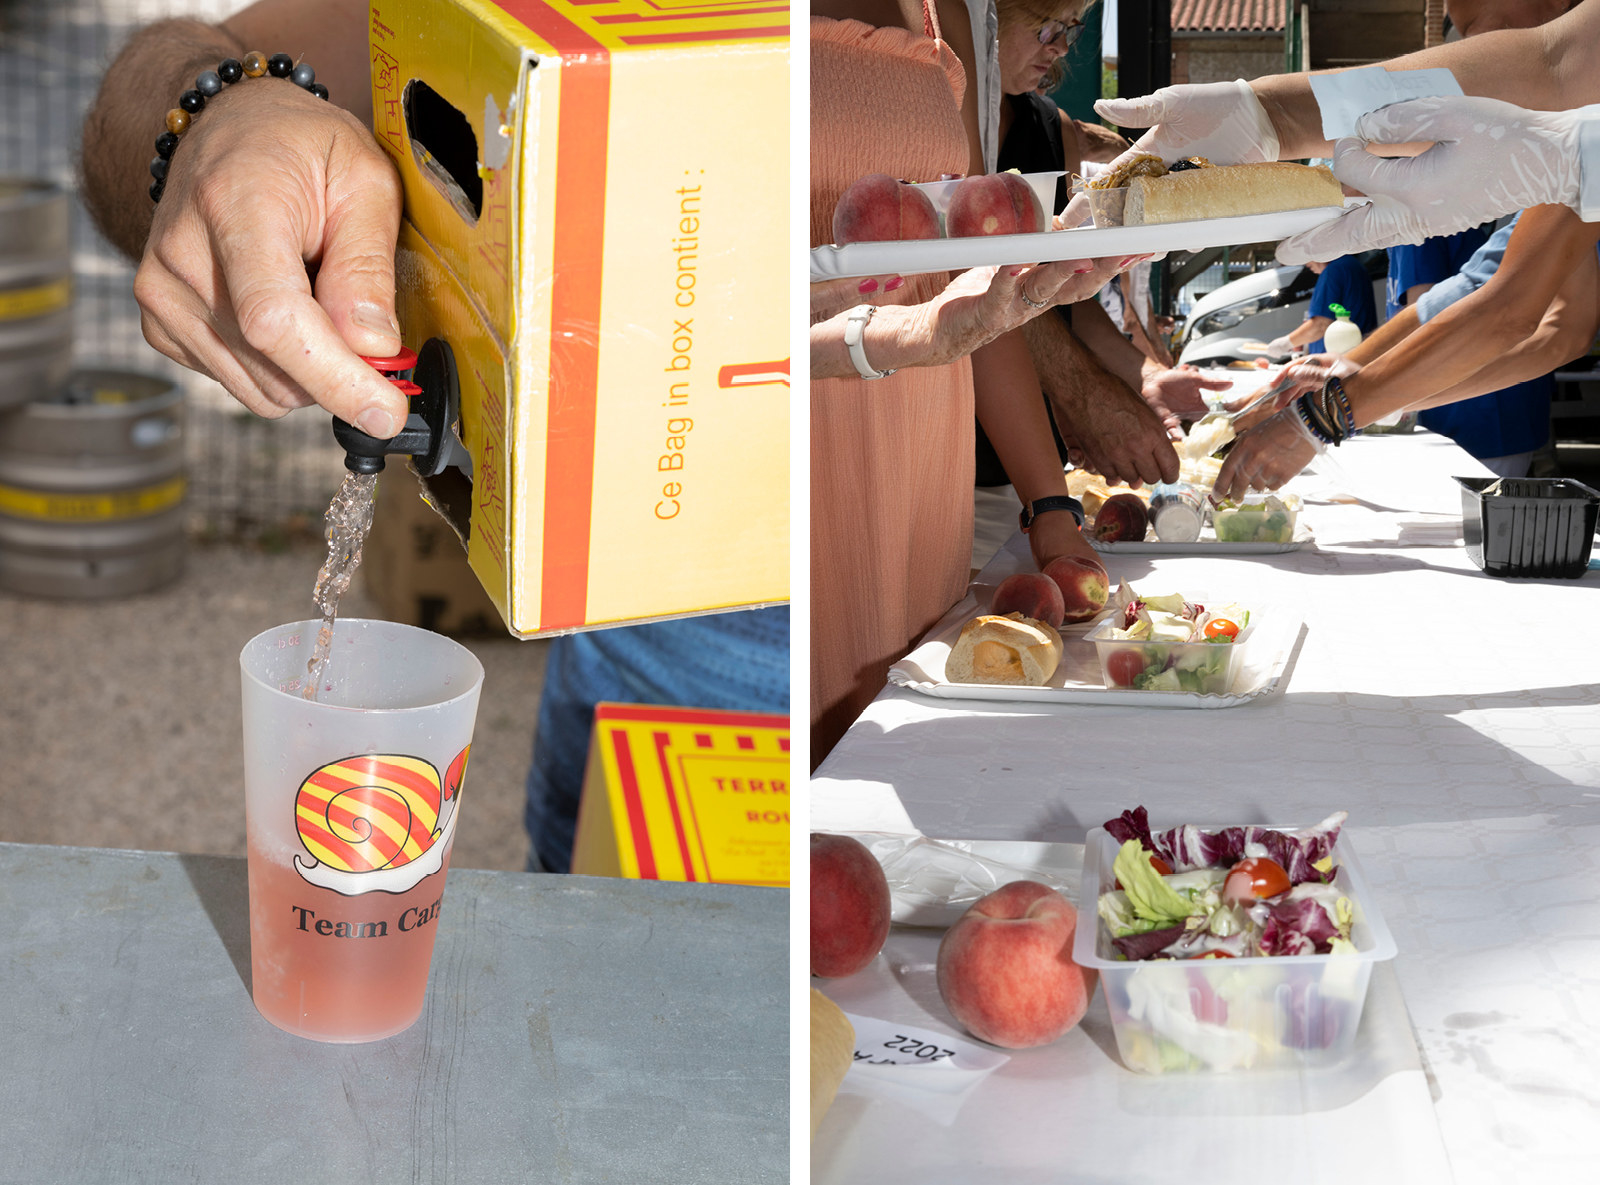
(1334, 387)
(1307, 412)
(208, 85)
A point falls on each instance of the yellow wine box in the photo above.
(596, 197)
(685, 794)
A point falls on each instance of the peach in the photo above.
(1122, 518)
(993, 204)
(1084, 585)
(1005, 969)
(1032, 594)
(877, 208)
(849, 905)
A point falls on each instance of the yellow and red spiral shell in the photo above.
(374, 811)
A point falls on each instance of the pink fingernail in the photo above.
(1016, 271)
(894, 283)
(867, 286)
(1127, 261)
(1078, 271)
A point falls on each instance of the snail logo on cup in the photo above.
(376, 821)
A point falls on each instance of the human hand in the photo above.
(1488, 159)
(1120, 436)
(1281, 345)
(1309, 374)
(1180, 392)
(1056, 533)
(831, 297)
(1266, 456)
(269, 188)
(1221, 121)
(981, 304)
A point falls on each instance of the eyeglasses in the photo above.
(1059, 33)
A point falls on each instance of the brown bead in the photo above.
(255, 64)
(177, 121)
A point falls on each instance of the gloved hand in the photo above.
(1280, 345)
(1222, 121)
(1488, 159)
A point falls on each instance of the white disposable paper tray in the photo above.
(1208, 544)
(938, 255)
(886, 1126)
(1078, 679)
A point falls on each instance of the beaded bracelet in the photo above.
(1311, 416)
(1335, 387)
(208, 85)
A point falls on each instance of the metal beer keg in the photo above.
(92, 488)
(35, 290)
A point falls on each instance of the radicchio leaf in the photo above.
(1298, 927)
(1134, 947)
(1134, 824)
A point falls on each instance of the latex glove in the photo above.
(1488, 159)
(224, 283)
(1266, 456)
(1308, 374)
(1221, 121)
(1281, 345)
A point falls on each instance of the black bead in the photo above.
(280, 65)
(158, 168)
(166, 145)
(157, 190)
(192, 101)
(230, 70)
(303, 75)
(208, 83)
(318, 89)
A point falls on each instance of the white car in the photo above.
(1237, 319)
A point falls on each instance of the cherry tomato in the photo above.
(1253, 878)
(1221, 627)
(1124, 666)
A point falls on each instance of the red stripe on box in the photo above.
(666, 715)
(708, 35)
(575, 263)
(663, 742)
(634, 806)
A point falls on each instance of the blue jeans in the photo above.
(737, 661)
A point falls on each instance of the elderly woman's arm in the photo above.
(978, 306)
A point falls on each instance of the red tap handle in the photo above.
(404, 360)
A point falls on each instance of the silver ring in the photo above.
(1033, 304)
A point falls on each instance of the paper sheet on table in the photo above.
(1069, 1111)
(1347, 96)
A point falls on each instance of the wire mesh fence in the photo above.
(249, 479)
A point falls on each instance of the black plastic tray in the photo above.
(1528, 526)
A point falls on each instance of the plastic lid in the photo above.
(1338, 310)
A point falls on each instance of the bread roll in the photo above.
(833, 1048)
(1013, 649)
(1230, 191)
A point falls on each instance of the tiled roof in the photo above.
(1250, 16)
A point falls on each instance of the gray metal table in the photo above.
(577, 1029)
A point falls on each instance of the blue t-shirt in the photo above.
(1501, 423)
(1343, 282)
(1429, 262)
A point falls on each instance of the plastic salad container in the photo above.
(1217, 1015)
(1202, 668)
(1256, 520)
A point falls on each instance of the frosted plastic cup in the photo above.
(350, 809)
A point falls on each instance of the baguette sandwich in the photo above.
(1195, 189)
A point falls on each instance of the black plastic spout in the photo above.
(435, 407)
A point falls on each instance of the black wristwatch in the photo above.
(1055, 502)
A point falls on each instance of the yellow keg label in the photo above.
(17, 304)
(80, 508)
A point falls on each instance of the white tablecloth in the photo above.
(1456, 716)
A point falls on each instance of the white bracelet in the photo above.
(855, 328)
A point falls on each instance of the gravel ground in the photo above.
(120, 721)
